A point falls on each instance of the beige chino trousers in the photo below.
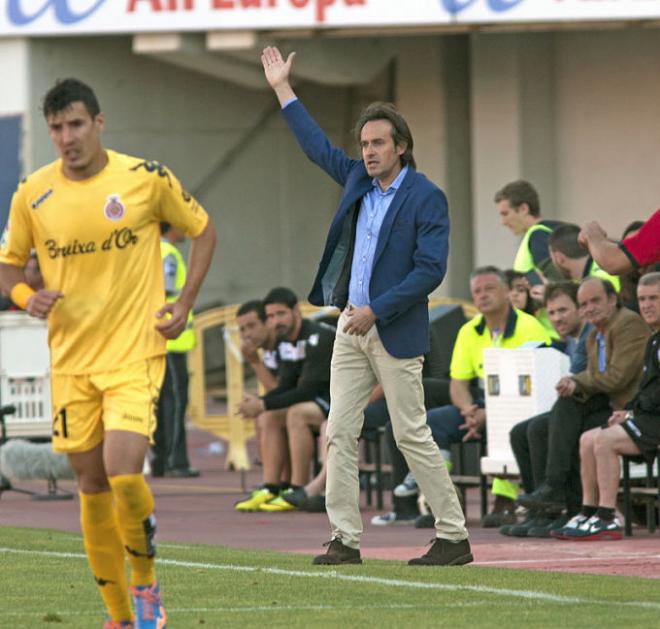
(358, 362)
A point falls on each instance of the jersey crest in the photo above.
(114, 209)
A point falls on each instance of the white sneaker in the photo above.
(392, 517)
(407, 488)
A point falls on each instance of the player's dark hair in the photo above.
(254, 305)
(281, 295)
(68, 91)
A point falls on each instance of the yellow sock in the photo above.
(105, 552)
(134, 506)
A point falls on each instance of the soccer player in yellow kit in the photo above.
(93, 217)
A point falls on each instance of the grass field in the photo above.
(45, 582)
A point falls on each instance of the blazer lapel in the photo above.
(393, 210)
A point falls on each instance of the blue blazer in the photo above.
(411, 254)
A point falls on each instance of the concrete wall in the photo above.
(608, 126)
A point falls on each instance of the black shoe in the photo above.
(544, 497)
(425, 521)
(534, 519)
(337, 554)
(182, 472)
(505, 529)
(313, 504)
(544, 531)
(445, 553)
(504, 512)
(295, 497)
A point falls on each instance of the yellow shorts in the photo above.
(85, 406)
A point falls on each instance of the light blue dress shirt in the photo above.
(602, 356)
(370, 218)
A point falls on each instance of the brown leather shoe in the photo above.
(337, 554)
(445, 553)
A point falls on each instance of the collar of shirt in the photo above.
(509, 328)
(394, 186)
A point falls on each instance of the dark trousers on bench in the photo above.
(569, 418)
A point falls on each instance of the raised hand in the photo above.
(277, 72)
(591, 232)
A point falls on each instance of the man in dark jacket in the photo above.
(386, 251)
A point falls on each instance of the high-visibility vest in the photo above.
(524, 261)
(171, 255)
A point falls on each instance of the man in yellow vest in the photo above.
(520, 211)
(170, 453)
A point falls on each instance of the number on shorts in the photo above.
(62, 417)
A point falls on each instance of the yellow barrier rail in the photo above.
(230, 427)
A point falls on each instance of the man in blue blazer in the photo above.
(385, 252)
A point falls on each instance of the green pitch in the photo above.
(44, 582)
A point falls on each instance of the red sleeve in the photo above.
(644, 247)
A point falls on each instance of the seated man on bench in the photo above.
(632, 432)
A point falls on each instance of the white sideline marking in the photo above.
(561, 560)
(333, 574)
(261, 608)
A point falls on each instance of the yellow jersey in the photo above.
(98, 242)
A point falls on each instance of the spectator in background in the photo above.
(258, 348)
(634, 252)
(257, 337)
(33, 279)
(519, 294)
(572, 261)
(170, 450)
(529, 438)
(615, 351)
(520, 211)
(292, 411)
(632, 432)
(499, 325)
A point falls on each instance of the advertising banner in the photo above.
(71, 17)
